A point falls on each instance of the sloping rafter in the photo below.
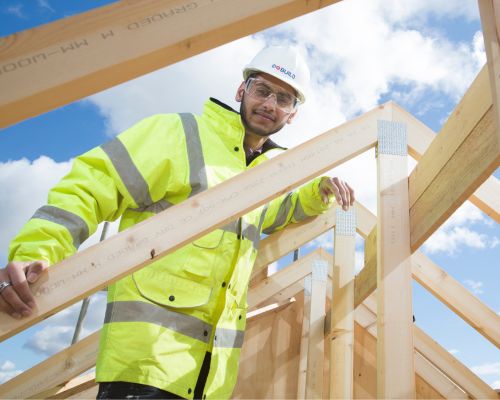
(453, 294)
(57, 63)
(459, 160)
(420, 137)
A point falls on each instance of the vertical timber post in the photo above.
(316, 351)
(304, 340)
(395, 351)
(342, 310)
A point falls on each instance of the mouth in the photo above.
(266, 116)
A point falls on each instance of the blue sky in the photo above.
(422, 54)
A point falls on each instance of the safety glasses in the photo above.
(263, 90)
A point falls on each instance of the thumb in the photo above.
(34, 270)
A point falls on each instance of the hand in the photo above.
(17, 299)
(343, 193)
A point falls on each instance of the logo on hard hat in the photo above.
(284, 71)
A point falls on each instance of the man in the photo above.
(174, 329)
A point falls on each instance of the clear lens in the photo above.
(262, 91)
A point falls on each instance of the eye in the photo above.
(284, 99)
(262, 90)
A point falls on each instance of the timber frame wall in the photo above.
(315, 329)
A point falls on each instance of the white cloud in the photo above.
(24, 189)
(56, 333)
(474, 286)
(17, 10)
(455, 233)
(350, 72)
(8, 371)
(487, 369)
(325, 241)
(7, 366)
(50, 340)
(25, 185)
(45, 4)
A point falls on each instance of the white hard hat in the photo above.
(284, 63)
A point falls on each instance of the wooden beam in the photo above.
(316, 338)
(366, 281)
(284, 278)
(438, 385)
(75, 387)
(100, 265)
(452, 367)
(458, 161)
(53, 372)
(269, 360)
(394, 299)
(440, 284)
(57, 63)
(304, 340)
(342, 309)
(436, 379)
(90, 393)
(445, 362)
(274, 307)
(490, 21)
(280, 243)
(420, 137)
(487, 198)
(456, 297)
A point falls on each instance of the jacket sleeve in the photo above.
(101, 185)
(294, 207)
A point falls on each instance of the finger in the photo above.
(347, 195)
(340, 192)
(332, 186)
(6, 308)
(22, 300)
(34, 270)
(19, 307)
(351, 191)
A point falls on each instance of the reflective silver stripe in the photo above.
(228, 338)
(197, 172)
(282, 215)
(232, 227)
(249, 231)
(259, 228)
(139, 311)
(76, 226)
(299, 213)
(129, 174)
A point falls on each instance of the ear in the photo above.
(239, 92)
(291, 117)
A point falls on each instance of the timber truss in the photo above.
(315, 329)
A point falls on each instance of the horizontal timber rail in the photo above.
(42, 69)
(100, 265)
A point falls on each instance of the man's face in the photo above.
(265, 117)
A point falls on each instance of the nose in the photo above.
(271, 100)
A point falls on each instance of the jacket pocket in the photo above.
(171, 291)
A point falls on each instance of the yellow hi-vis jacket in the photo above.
(161, 320)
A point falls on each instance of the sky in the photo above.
(422, 54)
